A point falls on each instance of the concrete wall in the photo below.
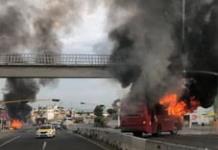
(55, 71)
(127, 142)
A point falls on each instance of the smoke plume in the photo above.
(32, 27)
(153, 54)
(201, 49)
(20, 89)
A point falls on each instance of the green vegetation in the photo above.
(99, 119)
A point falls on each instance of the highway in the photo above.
(67, 140)
(64, 140)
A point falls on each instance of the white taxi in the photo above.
(46, 131)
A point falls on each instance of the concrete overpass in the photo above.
(54, 66)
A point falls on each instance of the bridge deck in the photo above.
(55, 66)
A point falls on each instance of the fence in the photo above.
(56, 59)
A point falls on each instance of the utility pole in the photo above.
(183, 23)
(184, 40)
(216, 108)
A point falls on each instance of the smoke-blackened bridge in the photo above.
(55, 65)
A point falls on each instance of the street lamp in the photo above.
(117, 104)
(82, 103)
(21, 100)
(212, 73)
(85, 103)
(56, 100)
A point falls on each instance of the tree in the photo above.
(111, 111)
(99, 119)
(98, 111)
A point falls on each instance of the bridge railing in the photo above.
(55, 59)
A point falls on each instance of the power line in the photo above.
(21, 100)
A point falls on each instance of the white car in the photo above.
(46, 131)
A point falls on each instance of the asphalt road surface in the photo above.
(203, 141)
(64, 140)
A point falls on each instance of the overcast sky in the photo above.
(88, 36)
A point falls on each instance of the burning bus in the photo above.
(165, 116)
(139, 117)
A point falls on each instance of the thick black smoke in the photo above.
(32, 26)
(144, 44)
(13, 34)
(20, 89)
(154, 55)
(201, 48)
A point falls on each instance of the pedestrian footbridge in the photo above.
(55, 65)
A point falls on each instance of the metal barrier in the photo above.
(56, 59)
(127, 142)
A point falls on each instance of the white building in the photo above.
(50, 113)
(202, 116)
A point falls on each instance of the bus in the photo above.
(138, 117)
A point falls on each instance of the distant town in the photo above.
(67, 117)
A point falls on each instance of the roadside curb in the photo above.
(126, 142)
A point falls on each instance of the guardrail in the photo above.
(126, 142)
(56, 59)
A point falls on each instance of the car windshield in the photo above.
(45, 127)
(108, 74)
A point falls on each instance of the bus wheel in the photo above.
(138, 134)
(174, 132)
(158, 132)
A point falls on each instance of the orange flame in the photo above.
(177, 107)
(16, 124)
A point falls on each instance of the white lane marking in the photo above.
(44, 145)
(9, 141)
(92, 142)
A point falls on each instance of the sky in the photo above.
(88, 37)
(72, 92)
